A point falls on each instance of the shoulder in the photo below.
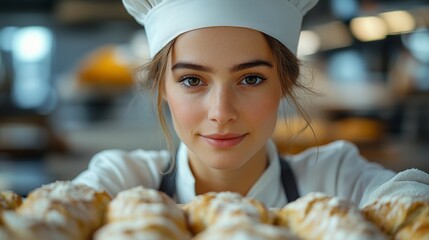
(338, 169)
(117, 170)
(130, 165)
(338, 146)
(339, 158)
(334, 152)
(124, 158)
(320, 164)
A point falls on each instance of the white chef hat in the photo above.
(164, 20)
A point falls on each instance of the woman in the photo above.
(223, 67)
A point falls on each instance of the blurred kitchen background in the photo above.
(67, 88)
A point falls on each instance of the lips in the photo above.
(223, 140)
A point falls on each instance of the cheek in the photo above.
(268, 109)
(263, 114)
(184, 113)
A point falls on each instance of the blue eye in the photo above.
(191, 81)
(252, 80)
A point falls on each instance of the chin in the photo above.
(224, 162)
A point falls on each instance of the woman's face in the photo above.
(223, 92)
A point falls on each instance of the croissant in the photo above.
(146, 212)
(419, 229)
(19, 227)
(9, 200)
(319, 216)
(210, 208)
(140, 202)
(66, 204)
(235, 229)
(154, 228)
(400, 216)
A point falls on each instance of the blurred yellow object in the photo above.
(292, 135)
(359, 130)
(105, 68)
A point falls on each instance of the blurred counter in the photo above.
(24, 173)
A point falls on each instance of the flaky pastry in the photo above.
(400, 216)
(319, 216)
(143, 213)
(240, 229)
(63, 202)
(9, 200)
(140, 202)
(153, 227)
(20, 227)
(417, 230)
(210, 208)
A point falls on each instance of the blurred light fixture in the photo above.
(309, 43)
(398, 21)
(328, 30)
(369, 28)
(31, 52)
(32, 44)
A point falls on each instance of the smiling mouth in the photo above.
(224, 141)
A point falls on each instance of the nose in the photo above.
(222, 106)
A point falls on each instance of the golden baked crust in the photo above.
(143, 202)
(66, 191)
(9, 200)
(210, 208)
(238, 229)
(319, 216)
(400, 216)
(140, 212)
(153, 227)
(67, 211)
(64, 203)
(418, 229)
(20, 227)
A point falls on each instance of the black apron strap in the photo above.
(168, 183)
(288, 180)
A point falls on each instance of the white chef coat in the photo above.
(336, 169)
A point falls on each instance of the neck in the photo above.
(238, 180)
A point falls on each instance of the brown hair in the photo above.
(288, 68)
(151, 77)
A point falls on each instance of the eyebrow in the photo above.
(191, 66)
(251, 64)
(235, 68)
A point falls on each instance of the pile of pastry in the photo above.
(63, 210)
(60, 210)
